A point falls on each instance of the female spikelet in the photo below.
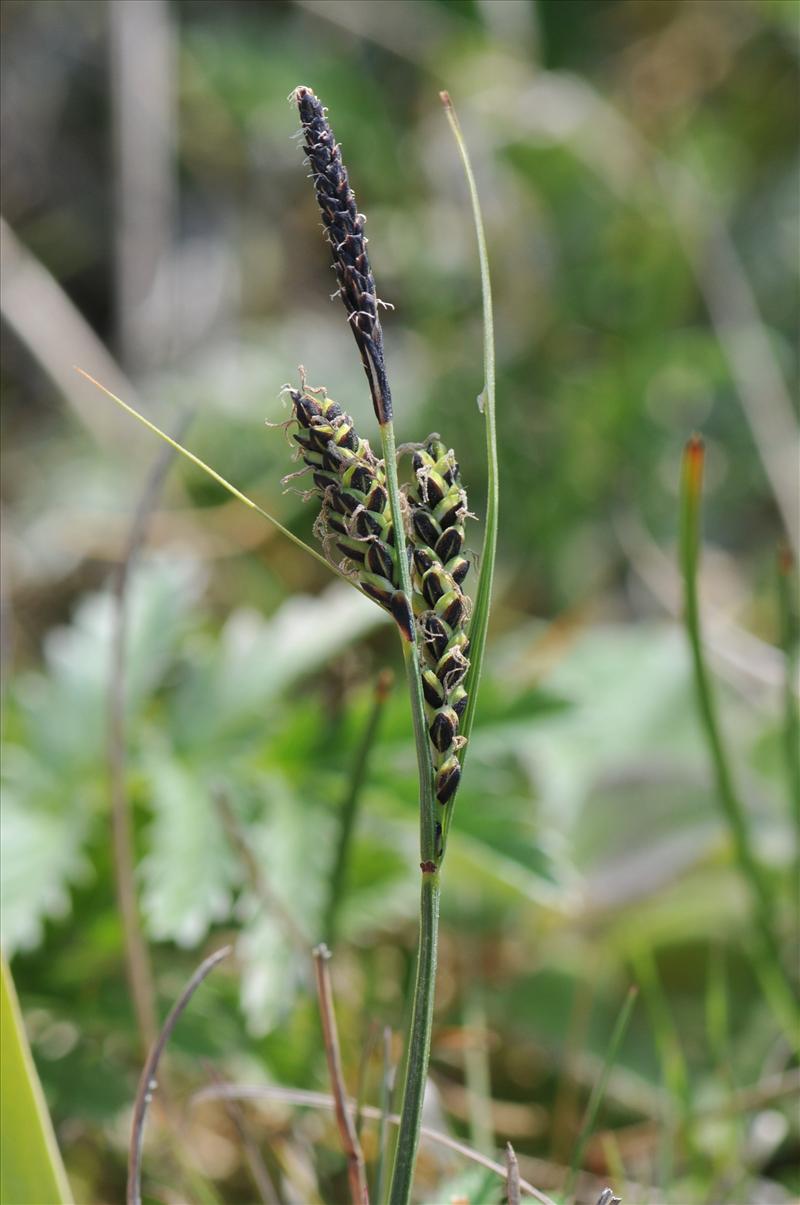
(355, 517)
(438, 508)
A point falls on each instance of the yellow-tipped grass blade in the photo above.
(201, 464)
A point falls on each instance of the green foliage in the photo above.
(31, 1170)
(587, 840)
(187, 875)
(561, 809)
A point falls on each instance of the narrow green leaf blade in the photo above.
(479, 624)
(31, 1171)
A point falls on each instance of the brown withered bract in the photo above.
(344, 227)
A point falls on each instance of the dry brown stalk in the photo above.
(513, 1186)
(147, 1080)
(356, 1170)
(321, 1100)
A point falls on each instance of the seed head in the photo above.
(344, 227)
(355, 518)
(438, 508)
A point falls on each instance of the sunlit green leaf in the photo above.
(31, 1171)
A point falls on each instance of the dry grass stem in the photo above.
(148, 1082)
(321, 1100)
(512, 1176)
(356, 1170)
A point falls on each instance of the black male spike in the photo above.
(344, 227)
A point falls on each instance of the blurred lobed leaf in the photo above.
(234, 682)
(43, 836)
(54, 752)
(538, 812)
(220, 703)
(187, 873)
(291, 840)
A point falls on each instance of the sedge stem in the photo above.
(427, 841)
(419, 1038)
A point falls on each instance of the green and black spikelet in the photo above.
(438, 508)
(355, 517)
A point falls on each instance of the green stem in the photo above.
(427, 839)
(418, 1049)
(419, 1042)
(726, 793)
(419, 1038)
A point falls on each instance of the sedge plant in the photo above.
(406, 551)
(403, 547)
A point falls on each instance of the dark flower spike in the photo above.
(344, 227)
(355, 517)
(438, 508)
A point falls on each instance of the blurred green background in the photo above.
(637, 161)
